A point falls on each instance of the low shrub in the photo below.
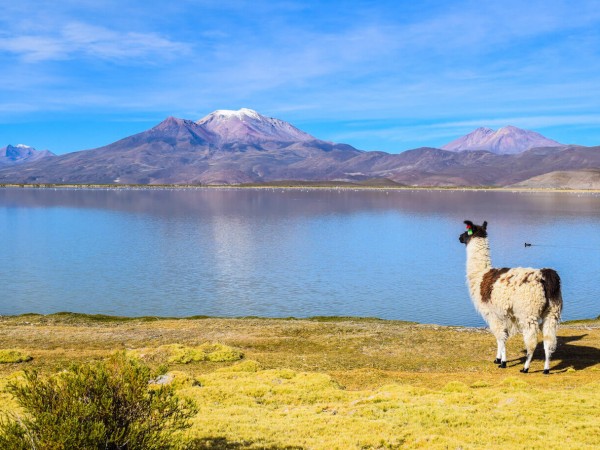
(221, 353)
(10, 356)
(206, 352)
(181, 354)
(107, 405)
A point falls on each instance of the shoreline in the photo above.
(66, 316)
(309, 186)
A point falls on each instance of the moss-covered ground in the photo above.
(342, 383)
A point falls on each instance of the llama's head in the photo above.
(473, 231)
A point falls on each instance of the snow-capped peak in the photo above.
(23, 146)
(248, 126)
(240, 114)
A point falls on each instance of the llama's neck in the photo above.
(478, 263)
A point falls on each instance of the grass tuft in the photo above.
(220, 353)
(455, 386)
(514, 382)
(245, 366)
(181, 354)
(10, 356)
(480, 384)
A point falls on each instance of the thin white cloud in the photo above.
(295, 58)
(78, 39)
(9, 109)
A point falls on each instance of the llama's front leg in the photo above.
(501, 334)
(502, 350)
(501, 338)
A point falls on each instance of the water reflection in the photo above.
(274, 252)
(227, 202)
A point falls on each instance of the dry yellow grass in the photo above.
(345, 383)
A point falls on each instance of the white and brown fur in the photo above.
(512, 300)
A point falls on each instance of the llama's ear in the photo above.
(468, 222)
(484, 225)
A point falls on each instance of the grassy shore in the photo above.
(344, 383)
(379, 185)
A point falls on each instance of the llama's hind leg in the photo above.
(549, 346)
(549, 328)
(530, 338)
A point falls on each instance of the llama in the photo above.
(512, 300)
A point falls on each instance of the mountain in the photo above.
(505, 141)
(17, 154)
(225, 147)
(246, 126)
(237, 147)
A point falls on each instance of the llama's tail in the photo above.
(553, 309)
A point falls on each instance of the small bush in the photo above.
(8, 356)
(106, 405)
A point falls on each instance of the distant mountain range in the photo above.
(237, 147)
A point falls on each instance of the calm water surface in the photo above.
(281, 253)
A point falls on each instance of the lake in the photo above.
(391, 254)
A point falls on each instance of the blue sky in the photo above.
(379, 75)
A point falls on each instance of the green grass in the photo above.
(331, 382)
(312, 410)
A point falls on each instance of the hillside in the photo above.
(570, 179)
